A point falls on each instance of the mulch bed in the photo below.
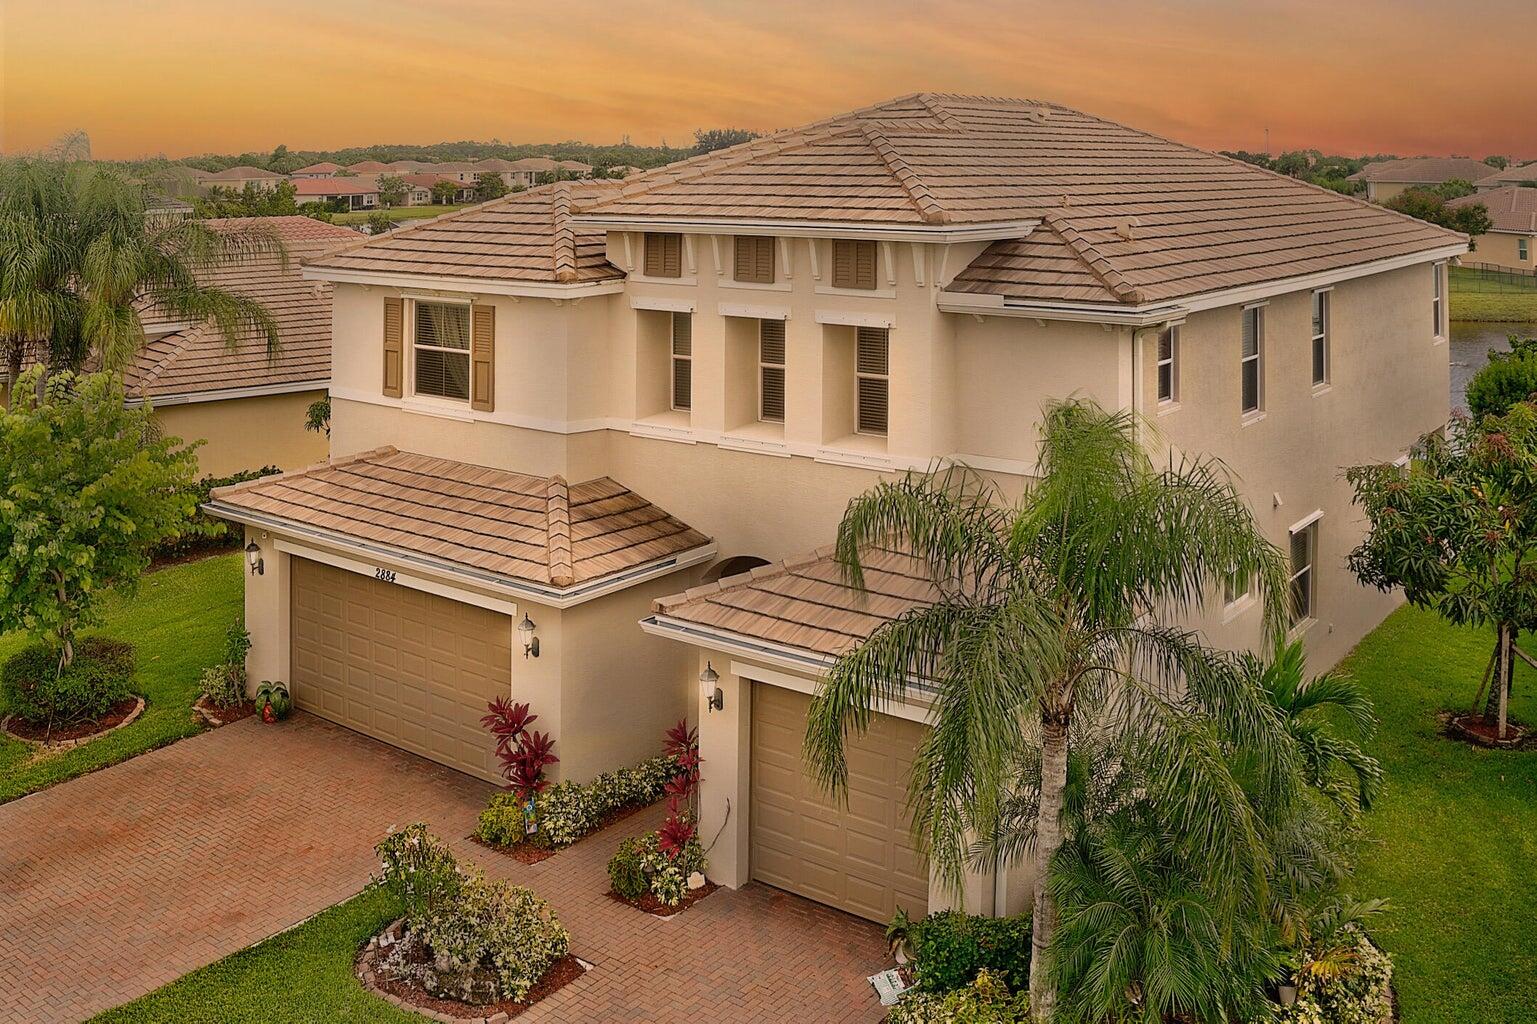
(410, 996)
(216, 716)
(1472, 728)
(533, 853)
(116, 716)
(656, 908)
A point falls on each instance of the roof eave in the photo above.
(991, 231)
(482, 286)
(226, 394)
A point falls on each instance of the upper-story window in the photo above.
(872, 375)
(1168, 364)
(853, 264)
(753, 259)
(1522, 252)
(683, 361)
(1253, 359)
(440, 343)
(771, 371)
(664, 254)
(1321, 301)
(1438, 300)
(1304, 556)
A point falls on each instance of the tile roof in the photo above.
(238, 173)
(367, 165)
(526, 236)
(1512, 208)
(1144, 218)
(1423, 170)
(407, 165)
(531, 528)
(1509, 176)
(426, 179)
(336, 186)
(197, 360)
(805, 602)
(324, 167)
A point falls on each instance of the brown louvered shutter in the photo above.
(664, 254)
(682, 361)
(853, 264)
(482, 358)
(754, 260)
(872, 366)
(394, 341)
(771, 367)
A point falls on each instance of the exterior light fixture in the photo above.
(253, 557)
(530, 642)
(709, 688)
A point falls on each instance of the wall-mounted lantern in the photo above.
(530, 641)
(709, 688)
(253, 557)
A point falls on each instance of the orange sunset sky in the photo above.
(181, 77)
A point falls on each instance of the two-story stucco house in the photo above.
(620, 421)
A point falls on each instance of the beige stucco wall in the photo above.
(248, 433)
(1502, 248)
(1382, 191)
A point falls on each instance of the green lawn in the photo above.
(1504, 300)
(398, 213)
(1453, 842)
(303, 976)
(176, 622)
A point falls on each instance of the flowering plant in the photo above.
(523, 753)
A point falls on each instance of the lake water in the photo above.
(1471, 343)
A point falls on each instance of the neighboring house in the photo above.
(1512, 240)
(165, 209)
(419, 188)
(748, 339)
(1513, 175)
(407, 166)
(368, 167)
(507, 170)
(1387, 178)
(237, 178)
(359, 193)
(462, 171)
(324, 169)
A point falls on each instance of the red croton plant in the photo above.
(683, 746)
(523, 753)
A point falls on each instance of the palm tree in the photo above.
(81, 264)
(1057, 614)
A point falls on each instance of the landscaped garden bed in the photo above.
(662, 872)
(122, 713)
(59, 703)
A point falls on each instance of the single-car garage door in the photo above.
(858, 857)
(407, 667)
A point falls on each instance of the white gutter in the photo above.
(550, 596)
(943, 233)
(481, 286)
(735, 643)
(255, 391)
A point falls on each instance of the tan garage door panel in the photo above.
(857, 857)
(409, 668)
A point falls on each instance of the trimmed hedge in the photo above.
(100, 676)
(949, 948)
(567, 811)
(204, 533)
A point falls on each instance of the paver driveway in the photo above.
(120, 881)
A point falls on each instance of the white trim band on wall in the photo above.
(1305, 521)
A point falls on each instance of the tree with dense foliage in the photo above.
(708, 140)
(91, 486)
(379, 222)
(443, 192)
(251, 201)
(1057, 619)
(1507, 378)
(489, 185)
(1429, 204)
(1499, 163)
(80, 264)
(392, 189)
(1457, 531)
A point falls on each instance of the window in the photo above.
(771, 371)
(1521, 249)
(1304, 556)
(1235, 588)
(872, 365)
(664, 254)
(1253, 358)
(853, 264)
(754, 260)
(1438, 300)
(441, 343)
(683, 361)
(1320, 338)
(1168, 364)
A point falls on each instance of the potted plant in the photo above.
(898, 935)
(273, 701)
(1286, 991)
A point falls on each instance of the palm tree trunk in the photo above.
(1048, 839)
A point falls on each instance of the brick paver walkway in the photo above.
(178, 857)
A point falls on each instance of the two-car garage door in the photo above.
(407, 667)
(856, 856)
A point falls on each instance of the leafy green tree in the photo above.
(443, 192)
(489, 185)
(317, 211)
(379, 222)
(91, 486)
(79, 262)
(1429, 204)
(1507, 378)
(318, 416)
(1457, 531)
(1056, 617)
(392, 189)
(251, 201)
(708, 140)
(1499, 163)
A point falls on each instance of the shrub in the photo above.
(204, 533)
(641, 865)
(986, 1000)
(949, 948)
(1351, 989)
(567, 811)
(484, 940)
(1508, 378)
(222, 685)
(626, 870)
(37, 691)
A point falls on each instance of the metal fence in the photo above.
(1491, 277)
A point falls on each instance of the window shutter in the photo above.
(664, 254)
(853, 264)
(873, 349)
(394, 340)
(753, 260)
(771, 358)
(682, 361)
(483, 358)
(871, 365)
(764, 263)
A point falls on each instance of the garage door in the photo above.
(858, 857)
(410, 668)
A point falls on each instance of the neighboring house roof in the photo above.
(535, 163)
(367, 165)
(407, 165)
(324, 167)
(1512, 208)
(240, 172)
(427, 179)
(196, 361)
(575, 165)
(529, 528)
(495, 163)
(451, 167)
(1423, 170)
(805, 603)
(524, 237)
(335, 186)
(1509, 176)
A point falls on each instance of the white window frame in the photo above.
(1159, 362)
(862, 376)
(469, 369)
(1234, 601)
(1438, 302)
(1523, 248)
(1319, 351)
(1308, 527)
(782, 367)
(1258, 359)
(674, 359)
